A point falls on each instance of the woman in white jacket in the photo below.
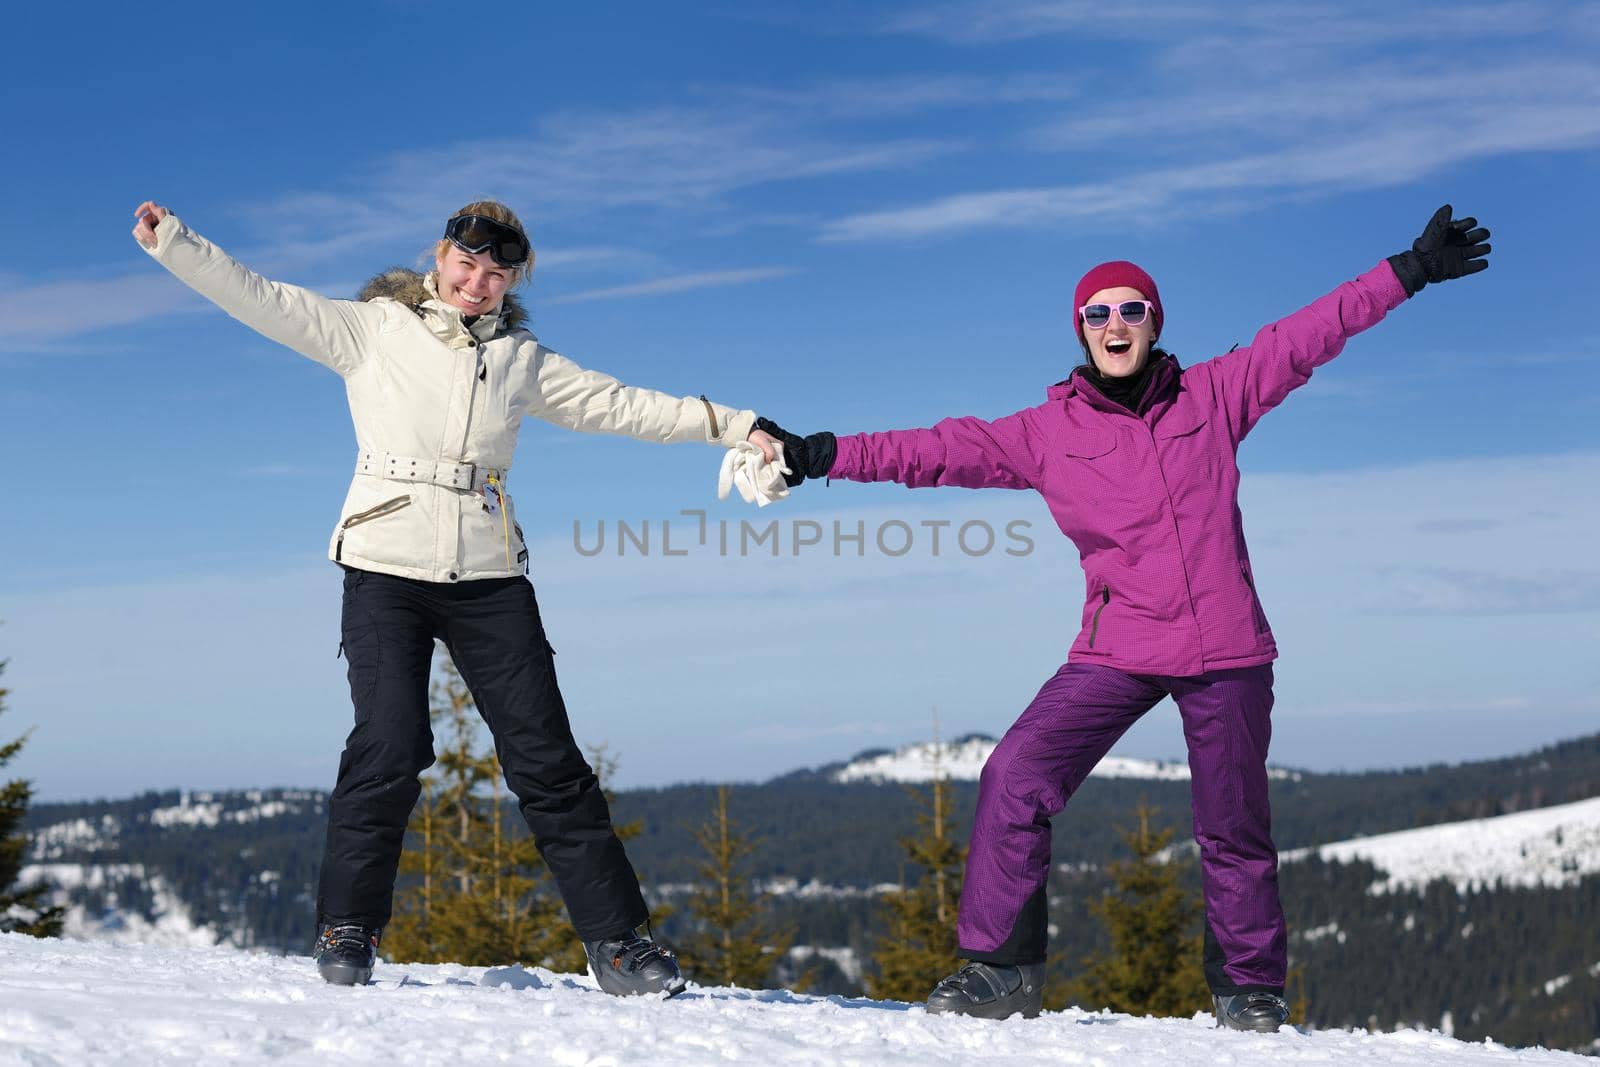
(439, 373)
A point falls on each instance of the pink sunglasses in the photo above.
(1098, 316)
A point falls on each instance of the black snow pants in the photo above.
(492, 631)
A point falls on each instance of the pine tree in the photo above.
(604, 765)
(21, 907)
(1153, 965)
(477, 890)
(919, 945)
(734, 945)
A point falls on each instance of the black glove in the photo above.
(808, 457)
(1448, 248)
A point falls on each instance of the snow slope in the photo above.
(1554, 846)
(73, 1003)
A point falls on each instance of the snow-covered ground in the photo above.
(963, 760)
(70, 1003)
(1554, 846)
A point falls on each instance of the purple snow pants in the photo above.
(1045, 756)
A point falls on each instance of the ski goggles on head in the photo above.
(1098, 316)
(478, 233)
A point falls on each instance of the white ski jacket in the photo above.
(437, 406)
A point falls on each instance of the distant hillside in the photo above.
(815, 826)
(1487, 927)
(834, 824)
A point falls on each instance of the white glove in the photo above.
(759, 482)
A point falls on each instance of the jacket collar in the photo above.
(420, 293)
(447, 322)
(1163, 378)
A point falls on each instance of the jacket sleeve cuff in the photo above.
(1387, 285)
(846, 457)
(168, 230)
(734, 424)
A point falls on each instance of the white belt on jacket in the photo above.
(448, 473)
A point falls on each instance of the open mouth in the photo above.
(1118, 347)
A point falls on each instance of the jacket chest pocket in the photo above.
(1083, 459)
(1084, 445)
(1188, 450)
(1108, 481)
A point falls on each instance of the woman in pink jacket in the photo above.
(1136, 458)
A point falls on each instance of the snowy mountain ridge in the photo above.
(153, 1005)
(962, 760)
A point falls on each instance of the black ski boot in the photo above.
(346, 952)
(630, 966)
(990, 991)
(1261, 1012)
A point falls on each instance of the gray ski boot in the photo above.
(990, 991)
(1261, 1012)
(632, 966)
(346, 952)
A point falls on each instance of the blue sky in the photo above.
(847, 217)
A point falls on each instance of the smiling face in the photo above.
(1120, 350)
(471, 281)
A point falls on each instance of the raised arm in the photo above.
(969, 452)
(568, 395)
(1250, 381)
(336, 333)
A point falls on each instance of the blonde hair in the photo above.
(493, 209)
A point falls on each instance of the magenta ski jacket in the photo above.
(1150, 499)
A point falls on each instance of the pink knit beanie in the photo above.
(1109, 276)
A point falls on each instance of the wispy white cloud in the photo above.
(1457, 591)
(1233, 109)
(1243, 24)
(876, 98)
(686, 160)
(577, 164)
(591, 256)
(1381, 136)
(679, 283)
(59, 310)
(1000, 21)
(1467, 538)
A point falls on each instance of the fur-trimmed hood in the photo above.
(413, 290)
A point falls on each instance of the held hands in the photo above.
(769, 462)
(746, 469)
(808, 457)
(766, 442)
(1448, 248)
(148, 214)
